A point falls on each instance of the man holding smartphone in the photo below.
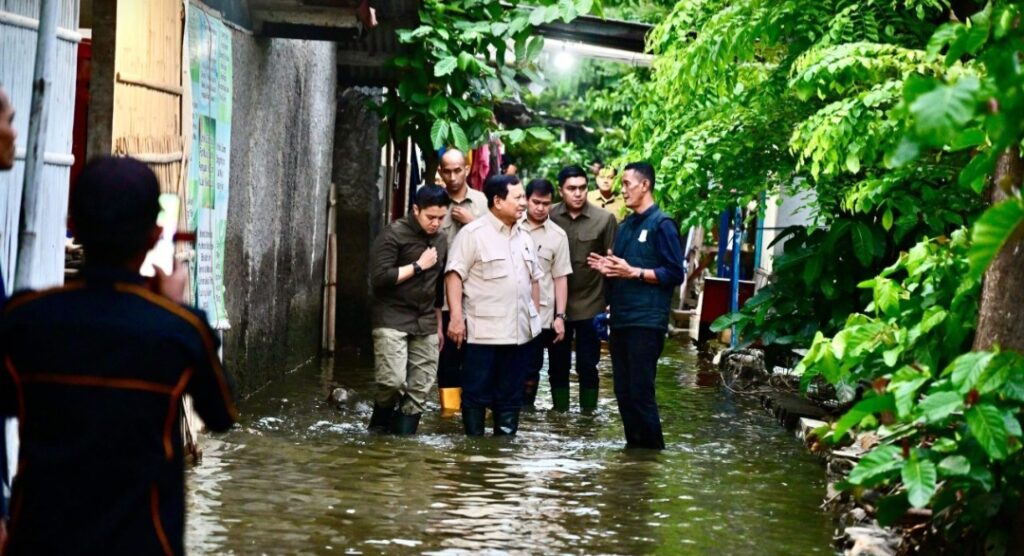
(101, 461)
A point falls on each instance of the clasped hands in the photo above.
(611, 266)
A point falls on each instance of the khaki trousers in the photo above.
(405, 366)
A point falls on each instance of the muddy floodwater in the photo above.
(300, 476)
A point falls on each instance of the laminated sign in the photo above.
(210, 66)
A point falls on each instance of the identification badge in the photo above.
(643, 236)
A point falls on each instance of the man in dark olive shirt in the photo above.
(644, 268)
(590, 230)
(95, 371)
(408, 289)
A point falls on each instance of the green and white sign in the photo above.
(210, 65)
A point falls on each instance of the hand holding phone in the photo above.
(162, 254)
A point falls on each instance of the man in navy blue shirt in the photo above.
(95, 371)
(642, 270)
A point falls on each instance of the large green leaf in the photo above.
(940, 405)
(438, 106)
(445, 66)
(919, 477)
(986, 424)
(941, 113)
(863, 243)
(991, 232)
(439, 133)
(864, 408)
(955, 465)
(876, 466)
(965, 370)
(459, 137)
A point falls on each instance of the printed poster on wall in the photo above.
(210, 65)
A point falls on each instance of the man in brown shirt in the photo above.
(406, 266)
(492, 289)
(467, 204)
(605, 197)
(590, 230)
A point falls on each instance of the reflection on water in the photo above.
(303, 477)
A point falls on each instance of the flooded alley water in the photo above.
(303, 477)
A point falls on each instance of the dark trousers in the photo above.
(635, 353)
(492, 376)
(449, 364)
(588, 352)
(536, 359)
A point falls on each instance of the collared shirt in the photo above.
(616, 205)
(593, 231)
(96, 369)
(409, 306)
(498, 265)
(553, 255)
(475, 201)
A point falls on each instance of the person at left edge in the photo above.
(492, 280)
(7, 138)
(95, 371)
(406, 265)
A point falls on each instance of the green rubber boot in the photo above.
(405, 425)
(588, 399)
(560, 399)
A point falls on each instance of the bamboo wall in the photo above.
(148, 89)
(18, 23)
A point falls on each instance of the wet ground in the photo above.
(302, 477)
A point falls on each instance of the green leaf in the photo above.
(932, 317)
(887, 219)
(986, 424)
(459, 136)
(975, 174)
(726, 321)
(966, 369)
(863, 243)
(892, 508)
(967, 139)
(534, 47)
(537, 16)
(940, 405)
(445, 66)
(887, 296)
(584, 6)
(466, 61)
(541, 134)
(812, 270)
(876, 466)
(920, 478)
(438, 106)
(954, 465)
(438, 133)
(864, 408)
(942, 112)
(991, 232)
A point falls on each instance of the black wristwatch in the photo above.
(416, 270)
(560, 316)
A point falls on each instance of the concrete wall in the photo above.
(360, 181)
(281, 158)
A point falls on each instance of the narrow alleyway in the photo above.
(300, 476)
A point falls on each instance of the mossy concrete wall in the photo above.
(281, 158)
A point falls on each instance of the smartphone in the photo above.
(162, 254)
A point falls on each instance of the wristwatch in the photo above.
(560, 316)
(640, 275)
(416, 270)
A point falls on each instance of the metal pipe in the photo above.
(31, 206)
(734, 304)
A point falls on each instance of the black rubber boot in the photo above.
(506, 423)
(529, 395)
(382, 418)
(473, 420)
(405, 424)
